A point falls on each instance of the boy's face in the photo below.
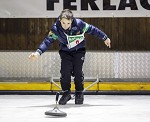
(65, 23)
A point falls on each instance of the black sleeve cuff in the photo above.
(105, 38)
(39, 51)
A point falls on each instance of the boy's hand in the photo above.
(34, 56)
(107, 42)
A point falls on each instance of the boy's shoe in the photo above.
(79, 97)
(65, 98)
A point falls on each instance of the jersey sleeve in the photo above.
(49, 39)
(90, 29)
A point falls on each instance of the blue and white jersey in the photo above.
(78, 27)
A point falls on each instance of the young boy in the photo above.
(69, 31)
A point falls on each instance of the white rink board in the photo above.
(101, 64)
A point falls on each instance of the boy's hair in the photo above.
(67, 14)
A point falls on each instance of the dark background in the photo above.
(126, 34)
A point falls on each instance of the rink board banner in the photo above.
(80, 8)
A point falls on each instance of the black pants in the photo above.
(71, 65)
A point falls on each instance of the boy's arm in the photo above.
(47, 42)
(44, 45)
(90, 29)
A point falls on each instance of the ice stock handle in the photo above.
(57, 96)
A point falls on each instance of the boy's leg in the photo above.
(65, 80)
(78, 60)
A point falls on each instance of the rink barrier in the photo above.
(16, 67)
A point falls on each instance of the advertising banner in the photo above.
(80, 8)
